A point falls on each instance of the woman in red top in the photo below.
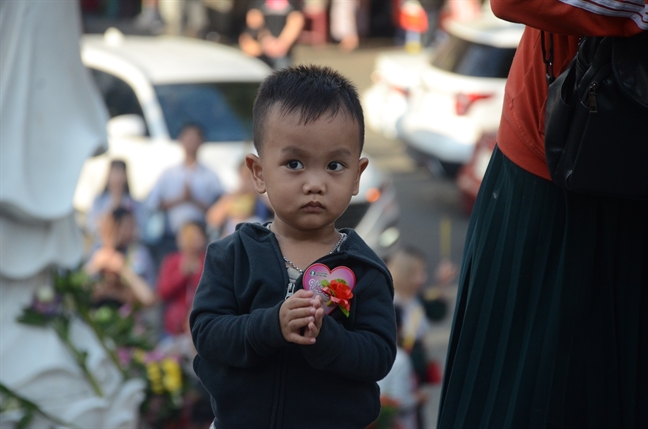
(179, 276)
(551, 325)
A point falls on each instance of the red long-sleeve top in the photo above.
(521, 131)
(177, 290)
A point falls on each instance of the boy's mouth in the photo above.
(313, 206)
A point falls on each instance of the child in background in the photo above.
(267, 352)
(408, 268)
(179, 276)
(400, 385)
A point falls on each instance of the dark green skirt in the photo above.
(551, 324)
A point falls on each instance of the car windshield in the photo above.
(223, 109)
(467, 58)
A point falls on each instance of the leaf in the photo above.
(344, 311)
(26, 419)
(33, 318)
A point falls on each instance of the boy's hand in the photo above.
(313, 328)
(298, 312)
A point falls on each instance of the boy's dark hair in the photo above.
(311, 90)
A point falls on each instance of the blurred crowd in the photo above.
(268, 29)
(148, 255)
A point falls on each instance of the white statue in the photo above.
(51, 119)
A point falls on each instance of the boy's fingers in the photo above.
(313, 329)
(299, 339)
(297, 302)
(296, 324)
(300, 312)
(302, 293)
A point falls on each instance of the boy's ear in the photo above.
(362, 166)
(253, 164)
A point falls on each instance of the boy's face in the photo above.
(309, 171)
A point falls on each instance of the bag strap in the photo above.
(548, 60)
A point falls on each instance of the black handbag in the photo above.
(596, 123)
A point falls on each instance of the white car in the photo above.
(460, 93)
(152, 86)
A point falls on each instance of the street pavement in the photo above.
(431, 214)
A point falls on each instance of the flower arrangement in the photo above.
(167, 385)
(339, 293)
(124, 337)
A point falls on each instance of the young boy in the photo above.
(271, 353)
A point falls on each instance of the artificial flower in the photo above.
(339, 293)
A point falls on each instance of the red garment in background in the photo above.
(177, 290)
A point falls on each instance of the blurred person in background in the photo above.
(551, 320)
(409, 272)
(344, 27)
(272, 29)
(433, 11)
(122, 267)
(413, 25)
(150, 17)
(243, 205)
(400, 385)
(316, 26)
(219, 19)
(179, 276)
(116, 193)
(182, 193)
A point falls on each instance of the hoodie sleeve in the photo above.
(367, 353)
(220, 334)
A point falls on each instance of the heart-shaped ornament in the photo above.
(318, 276)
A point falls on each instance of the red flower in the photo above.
(339, 293)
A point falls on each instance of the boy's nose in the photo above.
(314, 184)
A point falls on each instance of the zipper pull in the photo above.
(290, 290)
(591, 101)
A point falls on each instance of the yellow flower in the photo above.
(172, 379)
(138, 355)
(155, 377)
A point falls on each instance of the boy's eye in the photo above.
(335, 166)
(294, 165)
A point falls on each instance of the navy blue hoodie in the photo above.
(259, 380)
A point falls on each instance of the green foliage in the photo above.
(120, 333)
